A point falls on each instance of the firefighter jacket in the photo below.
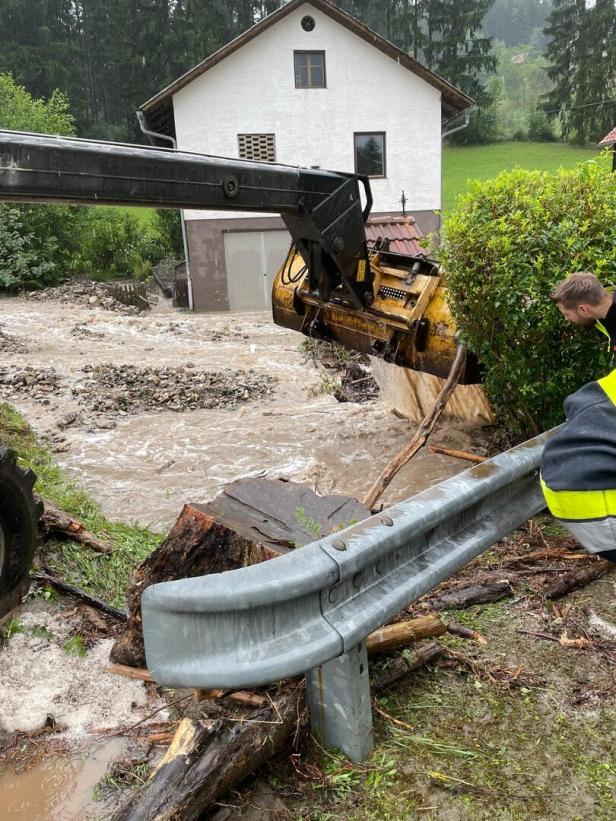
(578, 468)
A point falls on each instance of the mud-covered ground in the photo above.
(153, 410)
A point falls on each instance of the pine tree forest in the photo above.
(110, 56)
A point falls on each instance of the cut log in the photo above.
(577, 578)
(402, 633)
(57, 523)
(251, 521)
(205, 761)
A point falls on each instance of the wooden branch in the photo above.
(464, 632)
(422, 433)
(204, 762)
(458, 454)
(137, 673)
(477, 594)
(55, 522)
(403, 632)
(577, 578)
(64, 587)
(401, 668)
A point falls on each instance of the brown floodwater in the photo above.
(150, 464)
(59, 788)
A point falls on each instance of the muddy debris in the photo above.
(126, 389)
(10, 343)
(83, 292)
(82, 331)
(346, 374)
(38, 383)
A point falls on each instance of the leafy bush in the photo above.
(540, 128)
(20, 263)
(508, 243)
(170, 228)
(113, 245)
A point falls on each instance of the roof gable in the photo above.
(159, 108)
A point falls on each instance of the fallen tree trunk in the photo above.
(251, 521)
(577, 578)
(205, 760)
(55, 522)
(422, 433)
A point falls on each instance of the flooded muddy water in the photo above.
(149, 464)
(59, 788)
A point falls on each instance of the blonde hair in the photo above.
(580, 288)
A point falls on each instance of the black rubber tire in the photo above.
(19, 515)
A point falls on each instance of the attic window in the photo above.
(257, 147)
(309, 69)
(308, 23)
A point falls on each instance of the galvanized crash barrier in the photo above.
(310, 611)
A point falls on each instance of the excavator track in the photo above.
(19, 515)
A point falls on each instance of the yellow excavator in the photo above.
(331, 285)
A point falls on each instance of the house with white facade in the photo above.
(308, 85)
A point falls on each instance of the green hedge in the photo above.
(505, 246)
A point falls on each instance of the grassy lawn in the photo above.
(106, 576)
(481, 162)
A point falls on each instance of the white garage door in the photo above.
(252, 260)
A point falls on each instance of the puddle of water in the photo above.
(59, 788)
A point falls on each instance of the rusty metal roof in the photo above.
(610, 138)
(402, 232)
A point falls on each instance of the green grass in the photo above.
(482, 162)
(106, 576)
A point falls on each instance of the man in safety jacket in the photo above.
(583, 300)
(578, 468)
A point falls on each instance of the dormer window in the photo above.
(309, 69)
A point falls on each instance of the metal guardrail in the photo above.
(311, 610)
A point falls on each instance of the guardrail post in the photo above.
(339, 703)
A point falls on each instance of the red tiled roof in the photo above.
(402, 232)
(610, 139)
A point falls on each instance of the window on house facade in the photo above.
(309, 69)
(370, 153)
(257, 147)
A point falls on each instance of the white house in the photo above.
(308, 85)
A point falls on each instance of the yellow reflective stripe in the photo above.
(601, 327)
(580, 504)
(608, 383)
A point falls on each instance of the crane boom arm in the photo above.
(321, 209)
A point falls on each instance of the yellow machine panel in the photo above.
(408, 323)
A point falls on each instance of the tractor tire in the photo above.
(19, 515)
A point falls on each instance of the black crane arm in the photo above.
(321, 209)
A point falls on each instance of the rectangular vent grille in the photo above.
(257, 147)
(392, 293)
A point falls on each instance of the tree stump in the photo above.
(251, 521)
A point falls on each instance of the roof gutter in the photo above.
(467, 117)
(154, 135)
